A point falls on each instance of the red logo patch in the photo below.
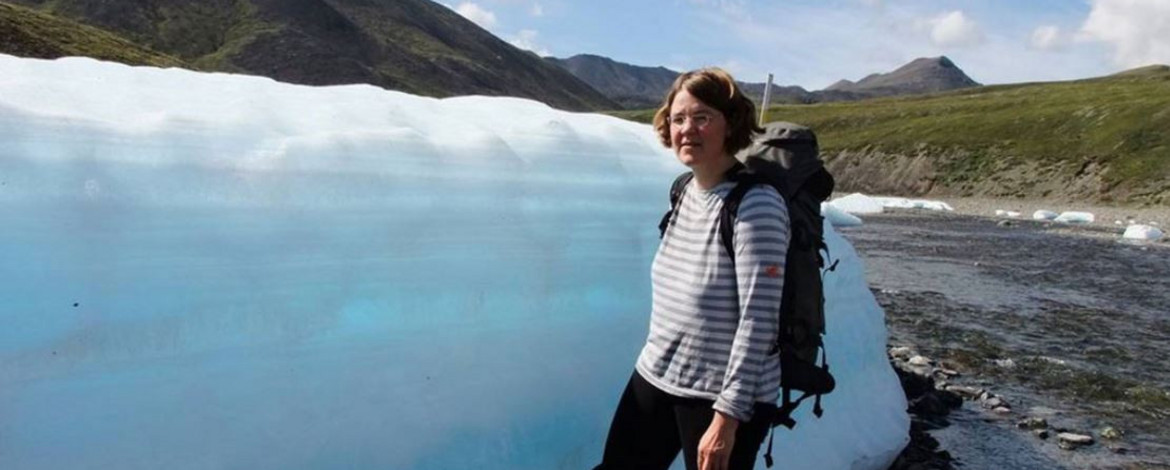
(772, 270)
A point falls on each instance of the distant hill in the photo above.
(415, 46)
(631, 86)
(1105, 139)
(925, 75)
(27, 33)
(641, 87)
(638, 87)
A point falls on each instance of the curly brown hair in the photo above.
(714, 87)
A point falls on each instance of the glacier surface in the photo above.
(209, 271)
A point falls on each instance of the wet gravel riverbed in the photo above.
(1068, 324)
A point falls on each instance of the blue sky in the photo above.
(815, 43)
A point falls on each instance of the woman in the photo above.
(707, 379)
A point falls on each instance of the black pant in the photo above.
(650, 427)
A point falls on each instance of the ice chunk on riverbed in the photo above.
(222, 271)
(858, 204)
(904, 203)
(1075, 217)
(1044, 215)
(1006, 213)
(1142, 232)
(838, 217)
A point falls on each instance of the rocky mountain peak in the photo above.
(922, 75)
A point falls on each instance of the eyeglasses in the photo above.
(699, 120)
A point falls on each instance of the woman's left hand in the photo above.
(716, 444)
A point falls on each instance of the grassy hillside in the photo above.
(1106, 139)
(416, 46)
(28, 33)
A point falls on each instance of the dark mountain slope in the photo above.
(924, 75)
(416, 46)
(27, 33)
(630, 85)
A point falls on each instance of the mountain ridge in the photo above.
(640, 86)
(415, 46)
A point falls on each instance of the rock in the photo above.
(925, 373)
(931, 404)
(1117, 449)
(1004, 223)
(1041, 433)
(994, 402)
(901, 352)
(913, 385)
(921, 361)
(985, 395)
(1001, 410)
(1111, 433)
(1052, 360)
(1032, 422)
(1005, 363)
(949, 372)
(1075, 438)
(1069, 441)
(969, 393)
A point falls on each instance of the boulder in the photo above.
(1070, 440)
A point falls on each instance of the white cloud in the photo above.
(527, 40)
(953, 29)
(1138, 30)
(1046, 38)
(536, 10)
(484, 18)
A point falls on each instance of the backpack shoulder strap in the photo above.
(730, 212)
(676, 190)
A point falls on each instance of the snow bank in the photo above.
(862, 204)
(1044, 215)
(1073, 217)
(857, 203)
(1142, 232)
(903, 203)
(219, 271)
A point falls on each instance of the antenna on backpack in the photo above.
(767, 97)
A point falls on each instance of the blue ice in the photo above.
(210, 271)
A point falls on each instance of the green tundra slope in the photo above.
(28, 33)
(1105, 139)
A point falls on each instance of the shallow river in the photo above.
(1069, 324)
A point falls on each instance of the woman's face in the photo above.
(697, 131)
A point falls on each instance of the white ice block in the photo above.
(223, 271)
(857, 204)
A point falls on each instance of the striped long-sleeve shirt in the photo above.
(713, 322)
